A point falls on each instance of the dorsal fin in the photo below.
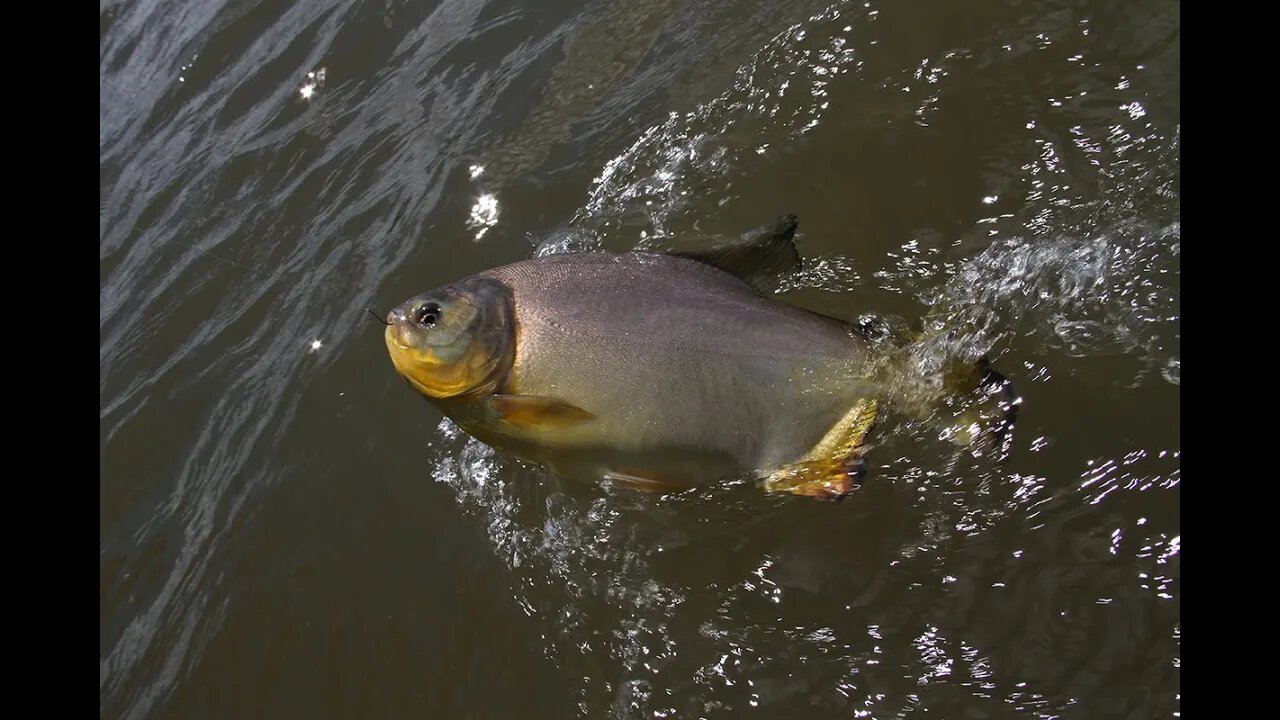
(759, 257)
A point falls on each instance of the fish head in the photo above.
(458, 340)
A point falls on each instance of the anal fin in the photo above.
(835, 466)
(830, 479)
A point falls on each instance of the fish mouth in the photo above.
(402, 330)
(399, 316)
(393, 334)
(406, 356)
(399, 336)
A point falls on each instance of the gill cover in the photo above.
(454, 341)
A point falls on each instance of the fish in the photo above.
(660, 371)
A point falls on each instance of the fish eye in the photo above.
(427, 315)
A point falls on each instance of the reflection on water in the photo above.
(277, 531)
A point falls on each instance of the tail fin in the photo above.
(974, 405)
(983, 415)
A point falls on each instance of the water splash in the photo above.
(1113, 292)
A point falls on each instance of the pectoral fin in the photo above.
(535, 411)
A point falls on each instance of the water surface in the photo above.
(287, 531)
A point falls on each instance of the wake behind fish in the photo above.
(1112, 292)
(596, 568)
